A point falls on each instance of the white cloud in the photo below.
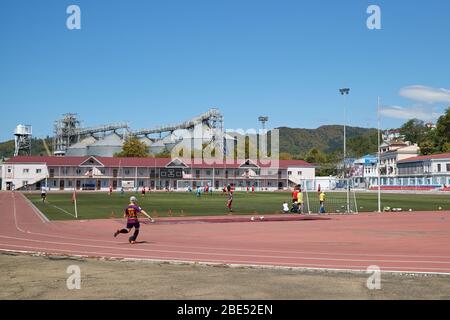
(425, 94)
(425, 114)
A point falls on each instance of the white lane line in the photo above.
(235, 264)
(225, 254)
(250, 249)
(15, 214)
(38, 212)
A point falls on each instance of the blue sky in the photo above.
(158, 62)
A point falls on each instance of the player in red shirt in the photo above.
(295, 195)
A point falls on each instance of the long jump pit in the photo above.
(412, 243)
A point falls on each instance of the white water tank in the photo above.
(23, 130)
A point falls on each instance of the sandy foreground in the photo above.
(39, 277)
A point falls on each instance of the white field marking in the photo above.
(236, 264)
(223, 254)
(38, 212)
(72, 215)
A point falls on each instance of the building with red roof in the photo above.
(101, 173)
(422, 172)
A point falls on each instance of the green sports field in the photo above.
(102, 205)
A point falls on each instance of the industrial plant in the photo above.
(71, 139)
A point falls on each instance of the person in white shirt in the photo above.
(285, 207)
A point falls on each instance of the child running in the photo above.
(131, 213)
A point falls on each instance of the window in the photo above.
(25, 182)
(208, 172)
(78, 171)
(38, 170)
(127, 172)
(290, 173)
(448, 167)
(439, 167)
(26, 170)
(299, 173)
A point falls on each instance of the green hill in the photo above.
(37, 147)
(328, 139)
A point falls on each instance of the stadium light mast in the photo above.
(263, 120)
(263, 141)
(344, 92)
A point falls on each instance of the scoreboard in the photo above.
(171, 173)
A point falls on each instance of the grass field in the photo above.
(101, 205)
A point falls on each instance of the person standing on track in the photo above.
(131, 214)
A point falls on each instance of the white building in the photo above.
(99, 173)
(20, 175)
(425, 172)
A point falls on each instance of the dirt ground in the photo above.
(38, 277)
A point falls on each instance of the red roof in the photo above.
(149, 162)
(430, 157)
(51, 161)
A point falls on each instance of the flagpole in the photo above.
(379, 159)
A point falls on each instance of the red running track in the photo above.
(398, 242)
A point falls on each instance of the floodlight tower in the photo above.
(344, 92)
(262, 143)
(23, 134)
(263, 120)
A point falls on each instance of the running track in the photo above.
(400, 242)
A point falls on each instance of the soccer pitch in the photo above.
(178, 204)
